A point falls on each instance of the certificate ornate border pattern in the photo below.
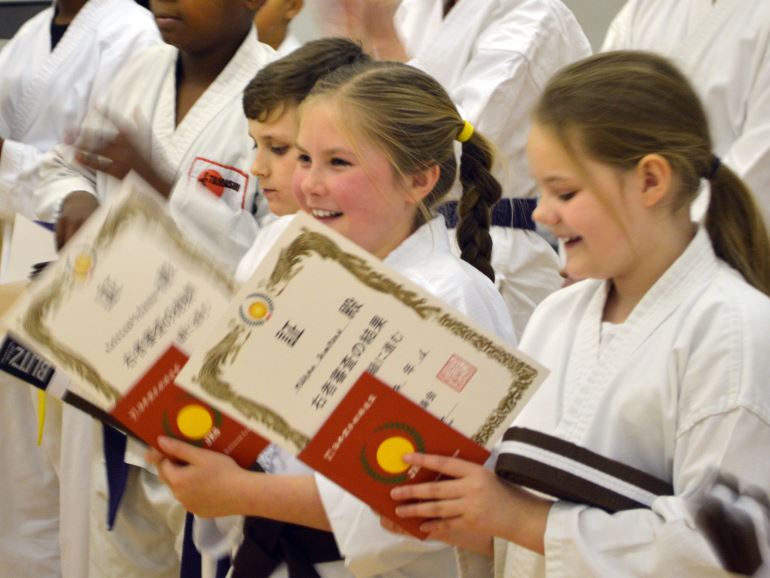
(288, 266)
(135, 208)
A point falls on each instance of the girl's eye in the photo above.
(303, 159)
(338, 162)
(280, 150)
(253, 145)
(564, 197)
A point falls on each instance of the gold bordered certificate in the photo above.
(118, 312)
(318, 313)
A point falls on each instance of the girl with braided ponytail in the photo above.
(376, 151)
(659, 358)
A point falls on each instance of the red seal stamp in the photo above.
(456, 373)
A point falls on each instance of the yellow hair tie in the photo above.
(466, 133)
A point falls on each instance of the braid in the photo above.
(480, 193)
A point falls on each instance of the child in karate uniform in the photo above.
(376, 151)
(54, 68)
(184, 100)
(658, 360)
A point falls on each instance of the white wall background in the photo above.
(593, 15)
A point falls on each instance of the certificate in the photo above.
(317, 314)
(120, 310)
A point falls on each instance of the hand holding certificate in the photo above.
(324, 351)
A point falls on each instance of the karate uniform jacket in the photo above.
(724, 48)
(208, 155)
(369, 550)
(678, 389)
(494, 58)
(45, 94)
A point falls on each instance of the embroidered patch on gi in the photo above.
(228, 183)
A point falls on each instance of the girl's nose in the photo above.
(545, 213)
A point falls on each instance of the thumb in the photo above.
(179, 450)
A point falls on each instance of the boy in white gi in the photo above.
(659, 359)
(55, 67)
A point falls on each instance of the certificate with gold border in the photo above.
(119, 312)
(317, 314)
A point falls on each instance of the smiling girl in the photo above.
(659, 360)
(376, 144)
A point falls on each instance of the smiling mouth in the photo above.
(324, 214)
(568, 242)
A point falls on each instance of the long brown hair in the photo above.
(621, 106)
(410, 117)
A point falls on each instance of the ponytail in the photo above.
(736, 228)
(624, 105)
(480, 193)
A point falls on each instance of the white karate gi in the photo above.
(724, 48)
(425, 259)
(45, 94)
(212, 139)
(494, 58)
(677, 390)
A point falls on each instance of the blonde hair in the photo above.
(410, 117)
(621, 106)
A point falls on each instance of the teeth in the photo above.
(322, 214)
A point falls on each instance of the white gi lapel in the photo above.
(33, 101)
(227, 86)
(593, 371)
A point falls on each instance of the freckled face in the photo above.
(275, 159)
(584, 209)
(351, 187)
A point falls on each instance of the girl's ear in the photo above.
(422, 182)
(656, 176)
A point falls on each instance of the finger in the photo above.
(442, 528)
(434, 509)
(94, 161)
(169, 473)
(452, 467)
(180, 450)
(442, 490)
(154, 456)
